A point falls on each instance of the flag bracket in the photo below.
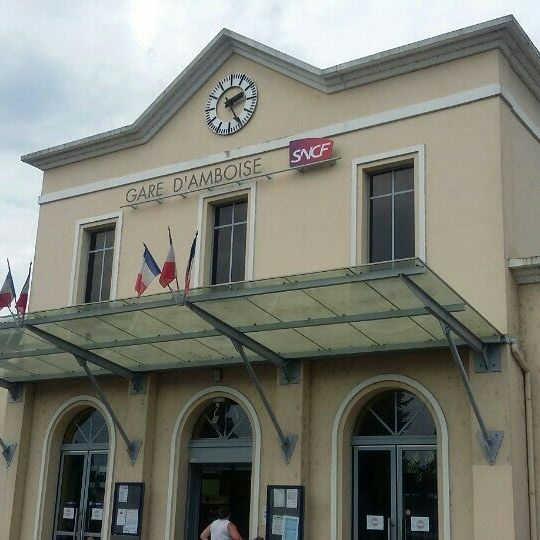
(287, 442)
(132, 446)
(8, 451)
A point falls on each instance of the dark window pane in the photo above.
(223, 215)
(239, 253)
(381, 184)
(380, 226)
(240, 211)
(96, 493)
(93, 277)
(87, 427)
(98, 240)
(413, 416)
(107, 274)
(378, 418)
(403, 179)
(404, 225)
(221, 259)
(109, 240)
(374, 492)
(222, 420)
(70, 494)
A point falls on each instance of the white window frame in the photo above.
(79, 259)
(203, 252)
(361, 170)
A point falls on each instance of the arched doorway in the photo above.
(82, 480)
(220, 456)
(395, 470)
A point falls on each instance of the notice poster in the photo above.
(123, 492)
(279, 498)
(97, 514)
(290, 527)
(132, 522)
(375, 523)
(419, 524)
(292, 498)
(121, 517)
(68, 513)
(277, 525)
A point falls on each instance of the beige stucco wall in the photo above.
(470, 170)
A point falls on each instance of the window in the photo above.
(229, 242)
(391, 214)
(100, 264)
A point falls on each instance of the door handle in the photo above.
(389, 527)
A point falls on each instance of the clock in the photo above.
(231, 104)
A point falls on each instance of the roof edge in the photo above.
(504, 34)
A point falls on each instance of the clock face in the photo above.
(231, 104)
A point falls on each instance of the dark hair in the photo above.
(223, 512)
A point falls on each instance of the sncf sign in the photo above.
(307, 151)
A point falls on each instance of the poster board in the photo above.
(285, 513)
(127, 509)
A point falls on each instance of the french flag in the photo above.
(168, 272)
(149, 270)
(22, 301)
(7, 292)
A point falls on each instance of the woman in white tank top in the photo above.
(221, 528)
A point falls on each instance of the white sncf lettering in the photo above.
(313, 152)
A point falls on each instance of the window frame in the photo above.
(362, 169)
(81, 244)
(204, 250)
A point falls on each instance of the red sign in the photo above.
(304, 152)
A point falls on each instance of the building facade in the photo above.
(364, 231)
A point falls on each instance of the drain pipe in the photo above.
(522, 363)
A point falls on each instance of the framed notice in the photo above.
(127, 509)
(285, 513)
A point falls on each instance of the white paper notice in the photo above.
(68, 513)
(132, 522)
(277, 525)
(375, 523)
(121, 517)
(123, 494)
(97, 514)
(419, 524)
(279, 498)
(292, 498)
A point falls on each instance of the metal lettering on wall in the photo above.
(185, 183)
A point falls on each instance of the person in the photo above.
(222, 528)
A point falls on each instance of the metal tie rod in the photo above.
(287, 442)
(133, 447)
(8, 451)
(490, 440)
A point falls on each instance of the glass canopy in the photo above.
(348, 311)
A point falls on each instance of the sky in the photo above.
(70, 69)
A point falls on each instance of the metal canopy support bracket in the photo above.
(8, 451)
(133, 447)
(288, 442)
(15, 389)
(489, 440)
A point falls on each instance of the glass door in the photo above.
(395, 493)
(81, 495)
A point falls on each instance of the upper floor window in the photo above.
(391, 214)
(229, 242)
(100, 264)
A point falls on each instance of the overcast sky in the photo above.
(75, 68)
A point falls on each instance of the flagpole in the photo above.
(176, 269)
(9, 307)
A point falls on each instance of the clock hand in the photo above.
(234, 115)
(231, 101)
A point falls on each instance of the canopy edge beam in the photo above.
(287, 442)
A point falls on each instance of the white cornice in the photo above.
(504, 34)
(525, 269)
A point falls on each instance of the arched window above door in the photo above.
(395, 413)
(224, 419)
(87, 428)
